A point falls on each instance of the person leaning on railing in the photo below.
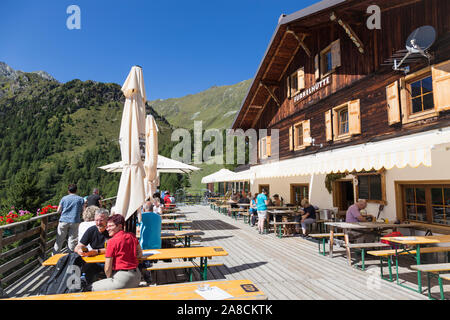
(70, 208)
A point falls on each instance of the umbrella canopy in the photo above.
(151, 156)
(218, 176)
(164, 165)
(131, 193)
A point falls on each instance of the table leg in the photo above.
(347, 242)
(331, 241)
(419, 273)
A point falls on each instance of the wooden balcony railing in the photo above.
(24, 245)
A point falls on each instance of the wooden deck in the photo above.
(287, 268)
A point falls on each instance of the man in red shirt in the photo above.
(121, 258)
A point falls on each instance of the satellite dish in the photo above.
(421, 39)
(418, 42)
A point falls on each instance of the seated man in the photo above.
(353, 215)
(150, 226)
(121, 258)
(94, 237)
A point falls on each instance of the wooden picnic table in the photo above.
(238, 289)
(178, 223)
(172, 215)
(286, 212)
(417, 242)
(377, 227)
(178, 235)
(160, 254)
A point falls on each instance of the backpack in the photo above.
(65, 277)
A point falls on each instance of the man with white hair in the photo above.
(353, 213)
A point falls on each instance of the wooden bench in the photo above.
(433, 270)
(387, 254)
(187, 265)
(282, 224)
(191, 244)
(324, 237)
(362, 247)
(235, 212)
(247, 216)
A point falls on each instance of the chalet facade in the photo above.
(347, 120)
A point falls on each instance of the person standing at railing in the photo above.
(70, 208)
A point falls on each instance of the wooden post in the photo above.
(43, 238)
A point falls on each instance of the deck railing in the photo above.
(24, 245)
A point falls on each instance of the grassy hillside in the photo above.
(216, 107)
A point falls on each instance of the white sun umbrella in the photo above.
(151, 156)
(165, 165)
(131, 192)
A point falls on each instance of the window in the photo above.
(426, 203)
(296, 82)
(298, 193)
(415, 204)
(330, 59)
(300, 135)
(440, 204)
(343, 121)
(264, 186)
(417, 96)
(264, 147)
(327, 65)
(422, 95)
(371, 186)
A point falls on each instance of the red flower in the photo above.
(9, 220)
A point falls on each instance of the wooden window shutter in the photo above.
(336, 54)
(268, 146)
(405, 97)
(301, 78)
(291, 136)
(288, 85)
(328, 126)
(441, 85)
(316, 67)
(393, 103)
(354, 117)
(306, 133)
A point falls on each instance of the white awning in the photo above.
(412, 150)
(219, 176)
(165, 165)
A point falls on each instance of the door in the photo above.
(343, 194)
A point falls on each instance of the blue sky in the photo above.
(184, 47)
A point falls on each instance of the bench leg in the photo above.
(429, 285)
(363, 266)
(441, 287)
(323, 243)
